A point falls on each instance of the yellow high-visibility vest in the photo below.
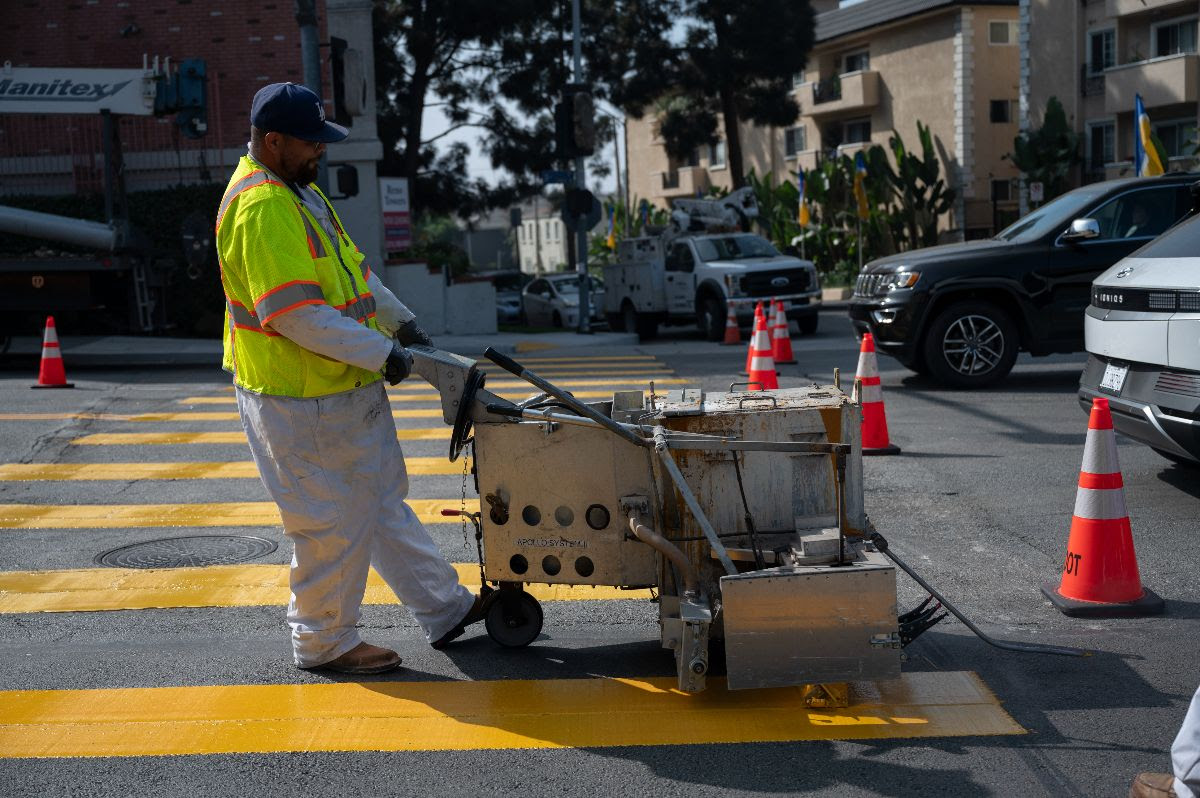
(274, 257)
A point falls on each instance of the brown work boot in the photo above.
(474, 615)
(1153, 785)
(363, 659)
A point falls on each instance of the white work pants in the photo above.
(1185, 752)
(335, 469)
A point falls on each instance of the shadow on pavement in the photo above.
(1185, 478)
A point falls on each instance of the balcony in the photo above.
(686, 181)
(1090, 83)
(1124, 8)
(1161, 81)
(854, 91)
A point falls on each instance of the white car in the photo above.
(553, 301)
(1142, 332)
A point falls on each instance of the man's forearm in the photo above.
(321, 329)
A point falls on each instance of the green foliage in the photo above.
(904, 203)
(627, 225)
(921, 195)
(435, 241)
(1048, 154)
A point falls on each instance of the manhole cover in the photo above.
(187, 552)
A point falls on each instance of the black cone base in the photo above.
(1149, 604)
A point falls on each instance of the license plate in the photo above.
(1114, 378)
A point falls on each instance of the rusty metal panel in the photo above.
(803, 624)
(549, 480)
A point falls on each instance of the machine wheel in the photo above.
(808, 324)
(711, 318)
(971, 345)
(514, 619)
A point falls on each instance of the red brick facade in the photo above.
(245, 45)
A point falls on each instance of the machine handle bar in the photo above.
(508, 364)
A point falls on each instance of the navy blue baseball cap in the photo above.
(295, 111)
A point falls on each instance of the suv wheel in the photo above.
(970, 345)
(711, 318)
(808, 324)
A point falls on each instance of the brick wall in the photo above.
(245, 45)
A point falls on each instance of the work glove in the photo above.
(411, 333)
(398, 365)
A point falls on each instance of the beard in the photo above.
(301, 171)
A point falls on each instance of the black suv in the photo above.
(960, 312)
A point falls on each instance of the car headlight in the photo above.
(733, 285)
(897, 281)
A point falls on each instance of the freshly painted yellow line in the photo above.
(147, 438)
(408, 397)
(552, 374)
(570, 385)
(128, 472)
(583, 361)
(258, 585)
(224, 415)
(462, 716)
(114, 516)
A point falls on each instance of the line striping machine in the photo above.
(742, 509)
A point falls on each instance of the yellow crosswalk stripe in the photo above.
(478, 715)
(225, 415)
(410, 397)
(166, 438)
(553, 376)
(635, 381)
(255, 585)
(127, 472)
(113, 516)
(583, 361)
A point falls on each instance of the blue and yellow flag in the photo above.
(860, 188)
(802, 212)
(611, 241)
(1146, 162)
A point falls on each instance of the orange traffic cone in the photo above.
(51, 374)
(1100, 575)
(758, 314)
(762, 366)
(733, 335)
(874, 417)
(781, 341)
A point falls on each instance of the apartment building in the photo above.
(541, 238)
(877, 68)
(1095, 56)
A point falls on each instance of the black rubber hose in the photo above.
(881, 544)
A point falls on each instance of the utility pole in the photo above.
(581, 235)
(310, 55)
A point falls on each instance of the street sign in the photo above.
(558, 176)
(1036, 192)
(589, 221)
(397, 227)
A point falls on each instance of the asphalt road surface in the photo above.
(123, 682)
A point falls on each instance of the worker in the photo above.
(310, 334)
(1184, 780)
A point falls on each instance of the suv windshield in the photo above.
(1181, 241)
(734, 247)
(1058, 213)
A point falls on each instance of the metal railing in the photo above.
(1090, 83)
(827, 90)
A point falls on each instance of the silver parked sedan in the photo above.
(553, 301)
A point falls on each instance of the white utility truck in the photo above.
(704, 260)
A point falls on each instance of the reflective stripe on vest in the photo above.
(361, 310)
(249, 181)
(315, 245)
(286, 297)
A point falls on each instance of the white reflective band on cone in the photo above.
(872, 393)
(1100, 452)
(1101, 504)
(866, 365)
(762, 364)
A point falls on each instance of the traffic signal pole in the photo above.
(581, 234)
